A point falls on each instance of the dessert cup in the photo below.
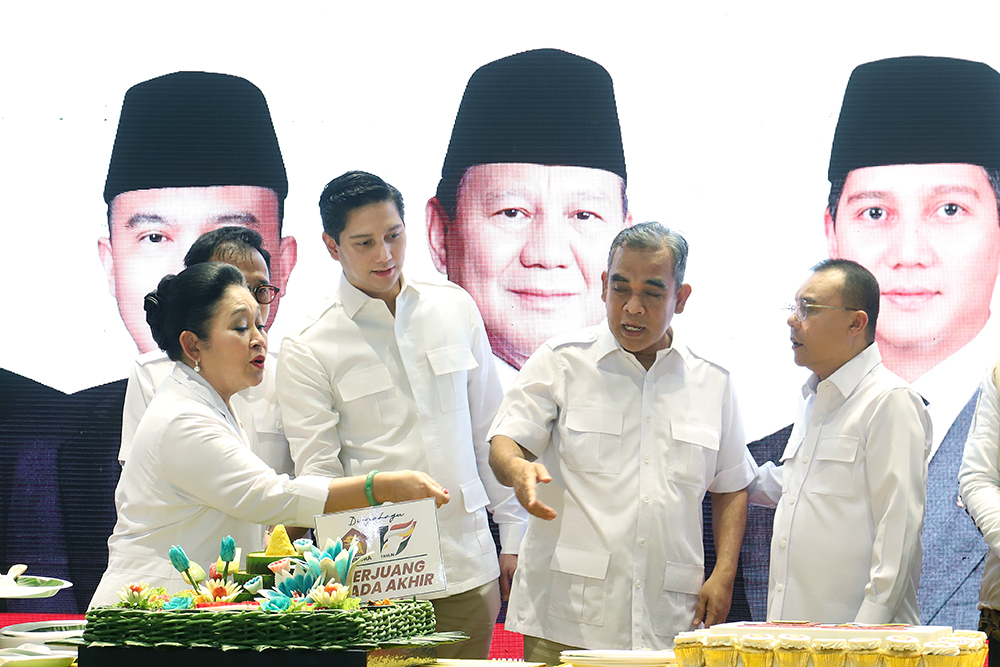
(942, 654)
(792, 651)
(901, 651)
(757, 650)
(688, 648)
(864, 652)
(829, 652)
(720, 651)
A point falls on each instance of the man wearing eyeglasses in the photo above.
(849, 494)
(914, 175)
(256, 407)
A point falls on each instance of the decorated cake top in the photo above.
(308, 577)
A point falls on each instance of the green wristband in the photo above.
(368, 488)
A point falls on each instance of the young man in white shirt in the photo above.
(850, 490)
(630, 429)
(394, 373)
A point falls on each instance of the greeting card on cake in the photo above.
(400, 547)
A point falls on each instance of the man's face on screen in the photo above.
(529, 243)
(152, 230)
(930, 234)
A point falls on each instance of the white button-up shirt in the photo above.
(850, 500)
(191, 479)
(979, 484)
(361, 390)
(256, 407)
(631, 453)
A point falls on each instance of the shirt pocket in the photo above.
(681, 584)
(579, 582)
(451, 366)
(592, 441)
(692, 454)
(834, 467)
(370, 403)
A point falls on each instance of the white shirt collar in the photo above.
(849, 376)
(354, 299)
(607, 344)
(196, 384)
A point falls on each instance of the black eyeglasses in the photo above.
(265, 294)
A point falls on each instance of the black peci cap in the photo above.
(195, 129)
(918, 110)
(545, 107)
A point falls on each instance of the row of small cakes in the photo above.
(701, 649)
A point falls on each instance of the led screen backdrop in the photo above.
(727, 117)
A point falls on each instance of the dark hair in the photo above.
(654, 236)
(351, 191)
(186, 302)
(859, 289)
(227, 243)
(837, 189)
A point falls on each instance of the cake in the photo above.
(308, 611)
(901, 651)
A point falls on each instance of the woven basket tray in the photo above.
(324, 629)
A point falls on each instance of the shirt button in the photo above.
(638, 584)
(645, 459)
(642, 540)
(645, 499)
(648, 419)
(780, 587)
(791, 501)
(805, 459)
(783, 543)
(277, 425)
(819, 419)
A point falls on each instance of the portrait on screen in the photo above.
(914, 199)
(531, 194)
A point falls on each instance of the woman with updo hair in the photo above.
(191, 477)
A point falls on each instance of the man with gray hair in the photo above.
(610, 437)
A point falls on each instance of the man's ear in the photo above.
(437, 230)
(331, 246)
(191, 345)
(682, 296)
(859, 324)
(604, 286)
(107, 255)
(829, 226)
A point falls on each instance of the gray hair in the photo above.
(654, 236)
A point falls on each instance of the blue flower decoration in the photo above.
(276, 603)
(179, 559)
(297, 584)
(227, 551)
(178, 602)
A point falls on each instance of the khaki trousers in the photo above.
(472, 612)
(537, 649)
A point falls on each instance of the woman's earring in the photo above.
(197, 366)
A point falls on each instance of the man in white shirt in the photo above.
(394, 373)
(630, 429)
(914, 179)
(850, 493)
